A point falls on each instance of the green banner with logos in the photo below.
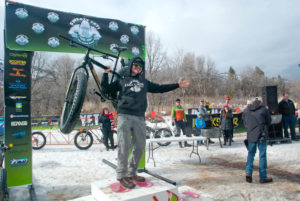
(37, 29)
(17, 126)
(30, 28)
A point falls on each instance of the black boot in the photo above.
(186, 144)
(248, 178)
(266, 180)
(225, 139)
(229, 140)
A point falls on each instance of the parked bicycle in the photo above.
(78, 84)
(84, 139)
(156, 131)
(38, 140)
(3, 177)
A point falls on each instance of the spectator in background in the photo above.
(230, 107)
(287, 109)
(200, 123)
(226, 119)
(208, 107)
(256, 120)
(227, 103)
(106, 122)
(203, 111)
(179, 120)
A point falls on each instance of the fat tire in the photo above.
(77, 139)
(163, 132)
(115, 136)
(149, 130)
(3, 185)
(73, 103)
(43, 139)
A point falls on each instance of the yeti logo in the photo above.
(135, 85)
(85, 31)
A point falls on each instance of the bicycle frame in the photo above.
(88, 61)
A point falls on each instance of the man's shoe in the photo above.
(187, 145)
(295, 139)
(113, 147)
(266, 180)
(137, 178)
(248, 178)
(126, 183)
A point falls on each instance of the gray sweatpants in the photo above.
(135, 127)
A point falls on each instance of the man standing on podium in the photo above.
(132, 105)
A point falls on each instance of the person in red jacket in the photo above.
(106, 122)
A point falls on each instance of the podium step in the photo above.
(151, 190)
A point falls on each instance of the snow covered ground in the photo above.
(63, 172)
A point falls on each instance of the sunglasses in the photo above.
(137, 64)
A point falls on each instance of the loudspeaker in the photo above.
(275, 131)
(270, 98)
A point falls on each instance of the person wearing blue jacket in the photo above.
(200, 123)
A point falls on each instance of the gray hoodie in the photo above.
(133, 90)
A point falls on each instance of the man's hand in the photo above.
(107, 70)
(183, 83)
(173, 124)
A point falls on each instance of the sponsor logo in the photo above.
(17, 62)
(17, 97)
(38, 28)
(19, 107)
(22, 40)
(53, 42)
(17, 73)
(19, 116)
(22, 55)
(85, 31)
(22, 13)
(19, 134)
(53, 17)
(17, 86)
(19, 123)
(90, 119)
(18, 162)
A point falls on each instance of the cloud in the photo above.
(232, 33)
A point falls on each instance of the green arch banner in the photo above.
(30, 28)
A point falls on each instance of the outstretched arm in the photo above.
(161, 88)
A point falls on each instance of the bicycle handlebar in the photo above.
(89, 48)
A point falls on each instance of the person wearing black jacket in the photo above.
(287, 109)
(226, 119)
(256, 119)
(132, 105)
(105, 122)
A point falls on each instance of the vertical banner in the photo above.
(17, 129)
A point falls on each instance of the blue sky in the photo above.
(235, 33)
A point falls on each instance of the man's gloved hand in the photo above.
(173, 124)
